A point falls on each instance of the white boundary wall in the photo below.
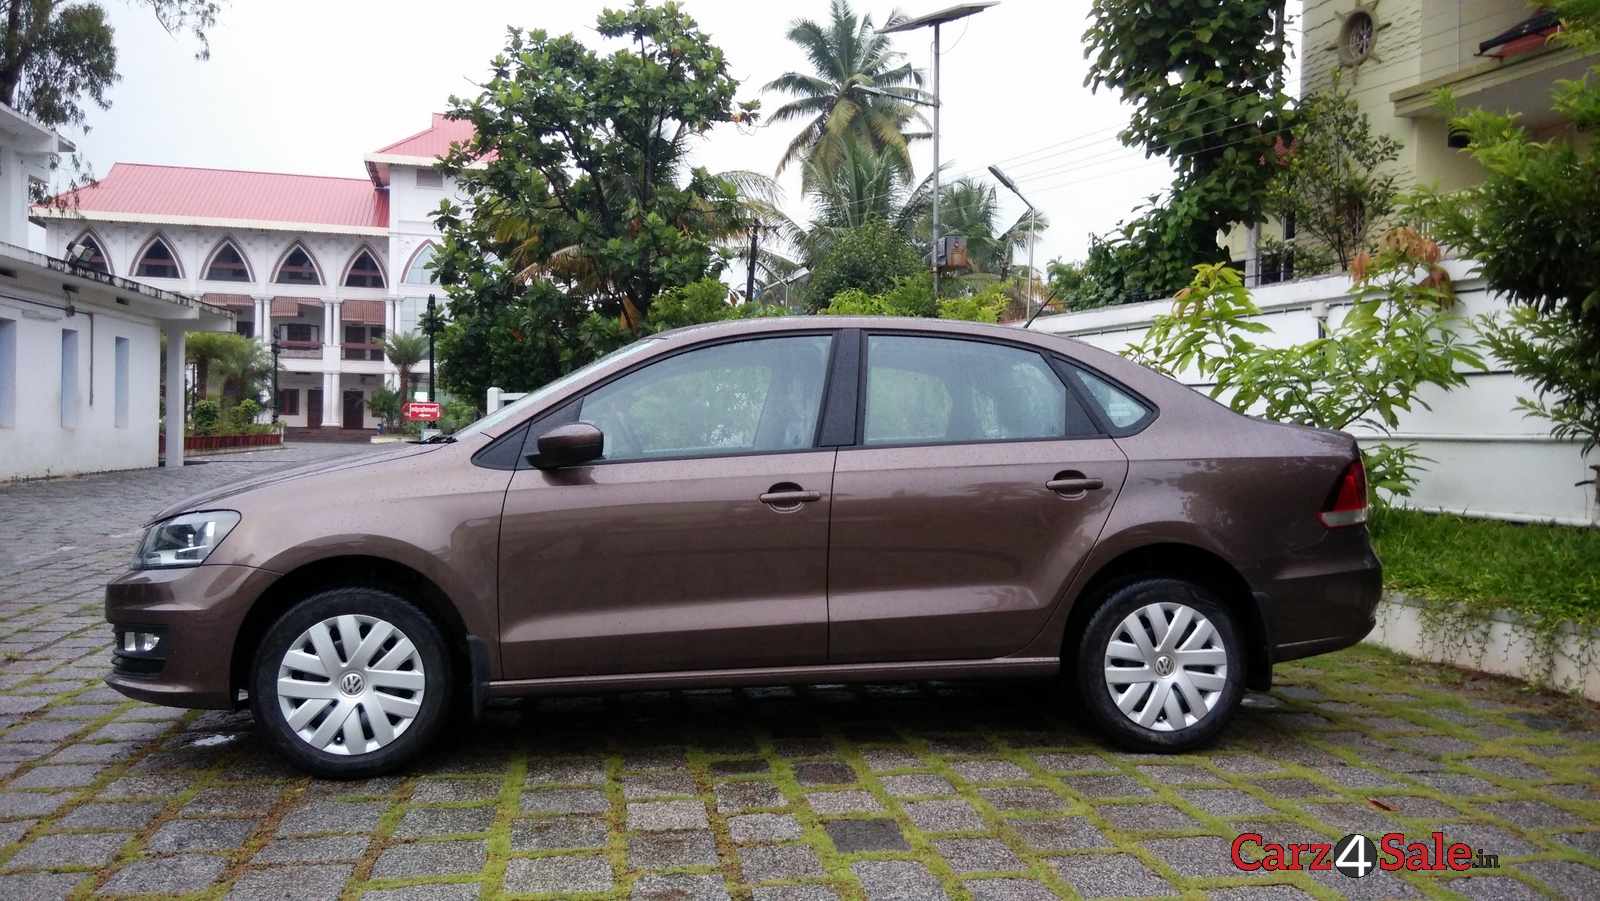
(1489, 459)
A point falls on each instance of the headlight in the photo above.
(185, 540)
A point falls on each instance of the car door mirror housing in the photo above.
(569, 445)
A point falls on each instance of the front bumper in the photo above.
(199, 610)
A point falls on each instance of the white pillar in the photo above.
(175, 374)
(391, 316)
(332, 403)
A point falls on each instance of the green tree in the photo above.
(913, 296)
(1206, 83)
(1335, 181)
(1532, 226)
(576, 160)
(56, 55)
(243, 364)
(1396, 337)
(203, 350)
(849, 59)
(405, 350)
(871, 257)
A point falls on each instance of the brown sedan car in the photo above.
(767, 501)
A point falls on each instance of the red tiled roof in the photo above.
(432, 141)
(229, 300)
(184, 194)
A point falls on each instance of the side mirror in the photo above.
(569, 445)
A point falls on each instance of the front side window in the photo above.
(756, 396)
(924, 390)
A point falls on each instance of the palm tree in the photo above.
(850, 62)
(405, 350)
(969, 208)
(204, 349)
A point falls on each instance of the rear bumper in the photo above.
(1316, 612)
(199, 609)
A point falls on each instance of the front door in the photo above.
(354, 410)
(948, 539)
(314, 408)
(699, 540)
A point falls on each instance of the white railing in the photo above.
(498, 398)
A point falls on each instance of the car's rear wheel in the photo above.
(351, 682)
(1160, 667)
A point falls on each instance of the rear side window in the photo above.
(923, 390)
(1120, 408)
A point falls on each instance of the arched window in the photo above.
(157, 261)
(364, 271)
(92, 256)
(227, 264)
(297, 268)
(418, 272)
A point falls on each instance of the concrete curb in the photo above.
(1508, 651)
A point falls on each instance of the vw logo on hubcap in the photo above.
(352, 683)
(1163, 666)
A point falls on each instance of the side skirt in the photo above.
(916, 670)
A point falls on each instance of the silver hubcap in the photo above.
(350, 684)
(1166, 667)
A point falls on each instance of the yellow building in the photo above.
(1394, 55)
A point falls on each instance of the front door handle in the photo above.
(788, 496)
(1074, 483)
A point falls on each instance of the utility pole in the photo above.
(433, 326)
(1033, 232)
(750, 275)
(275, 379)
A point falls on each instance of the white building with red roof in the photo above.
(327, 266)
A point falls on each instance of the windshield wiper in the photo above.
(437, 439)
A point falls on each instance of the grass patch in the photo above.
(1548, 574)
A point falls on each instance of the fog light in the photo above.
(139, 642)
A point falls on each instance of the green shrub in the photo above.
(204, 418)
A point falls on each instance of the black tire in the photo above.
(1095, 696)
(432, 713)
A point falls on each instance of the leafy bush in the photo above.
(204, 417)
(1395, 338)
(914, 297)
(240, 419)
(385, 403)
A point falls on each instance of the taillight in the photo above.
(1348, 505)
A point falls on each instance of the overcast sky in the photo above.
(296, 86)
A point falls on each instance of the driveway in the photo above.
(904, 791)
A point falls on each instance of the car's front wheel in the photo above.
(1160, 666)
(351, 682)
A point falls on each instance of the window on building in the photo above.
(93, 256)
(245, 327)
(227, 265)
(430, 178)
(364, 272)
(299, 331)
(363, 342)
(120, 405)
(69, 378)
(157, 261)
(8, 373)
(419, 273)
(297, 269)
(289, 402)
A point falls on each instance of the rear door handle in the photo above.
(1075, 485)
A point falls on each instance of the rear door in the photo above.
(977, 486)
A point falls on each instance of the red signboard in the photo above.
(420, 411)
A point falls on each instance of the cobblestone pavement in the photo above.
(899, 791)
(53, 517)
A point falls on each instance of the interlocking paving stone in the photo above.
(1009, 890)
(1494, 888)
(38, 886)
(314, 883)
(166, 876)
(660, 850)
(430, 791)
(566, 800)
(201, 835)
(974, 855)
(132, 815)
(763, 827)
(653, 816)
(897, 880)
(87, 850)
(770, 863)
(1570, 878)
(830, 803)
(660, 784)
(680, 887)
(824, 773)
(850, 836)
(424, 821)
(1102, 875)
(795, 893)
(333, 816)
(559, 874)
(1195, 856)
(322, 849)
(426, 858)
(450, 891)
(738, 797)
(1022, 798)
(557, 833)
(1147, 816)
(917, 785)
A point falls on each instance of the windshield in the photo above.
(530, 402)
